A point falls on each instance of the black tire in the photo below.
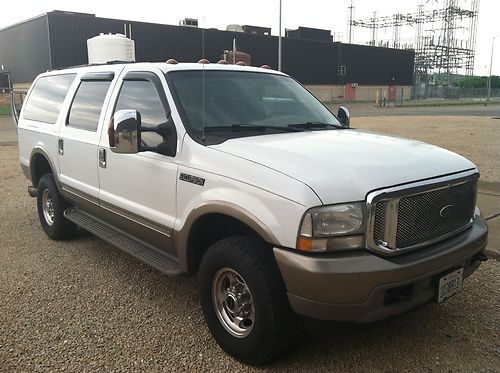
(275, 327)
(57, 227)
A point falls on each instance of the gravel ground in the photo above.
(476, 138)
(84, 305)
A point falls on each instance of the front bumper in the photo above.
(363, 287)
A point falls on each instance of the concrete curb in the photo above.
(495, 255)
(493, 248)
(489, 186)
(491, 191)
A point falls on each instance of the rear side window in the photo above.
(87, 105)
(46, 98)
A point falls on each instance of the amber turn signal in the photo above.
(305, 244)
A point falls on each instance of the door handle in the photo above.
(102, 157)
(60, 146)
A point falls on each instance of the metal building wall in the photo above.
(69, 33)
(376, 66)
(310, 34)
(24, 49)
(153, 42)
(309, 61)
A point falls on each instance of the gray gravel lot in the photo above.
(8, 133)
(84, 305)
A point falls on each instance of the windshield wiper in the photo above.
(250, 126)
(315, 125)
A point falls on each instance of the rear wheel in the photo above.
(244, 301)
(51, 206)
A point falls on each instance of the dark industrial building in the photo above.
(309, 33)
(256, 30)
(58, 39)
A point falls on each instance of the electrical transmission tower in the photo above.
(444, 37)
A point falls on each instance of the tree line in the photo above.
(477, 82)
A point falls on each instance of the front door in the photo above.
(139, 190)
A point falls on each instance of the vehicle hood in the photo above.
(345, 165)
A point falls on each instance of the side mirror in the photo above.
(124, 132)
(343, 115)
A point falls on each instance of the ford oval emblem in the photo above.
(446, 211)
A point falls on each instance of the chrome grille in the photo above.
(421, 214)
(426, 216)
(379, 226)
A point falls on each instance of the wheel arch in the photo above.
(40, 164)
(212, 222)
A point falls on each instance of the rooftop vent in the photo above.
(189, 22)
(234, 28)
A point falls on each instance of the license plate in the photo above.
(450, 284)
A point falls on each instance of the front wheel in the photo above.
(244, 301)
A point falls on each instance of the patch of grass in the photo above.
(4, 109)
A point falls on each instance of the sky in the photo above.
(331, 15)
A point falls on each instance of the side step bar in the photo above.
(163, 262)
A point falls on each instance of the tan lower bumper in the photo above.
(363, 287)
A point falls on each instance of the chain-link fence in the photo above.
(400, 95)
(453, 93)
(379, 95)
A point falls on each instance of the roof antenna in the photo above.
(203, 102)
(203, 81)
(234, 51)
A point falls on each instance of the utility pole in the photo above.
(491, 64)
(351, 7)
(279, 42)
(373, 42)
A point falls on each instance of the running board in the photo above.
(163, 262)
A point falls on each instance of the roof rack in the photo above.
(114, 62)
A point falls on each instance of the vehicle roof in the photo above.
(163, 66)
(214, 66)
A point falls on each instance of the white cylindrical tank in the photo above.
(110, 47)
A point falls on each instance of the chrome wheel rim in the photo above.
(48, 207)
(233, 302)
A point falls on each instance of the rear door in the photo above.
(79, 135)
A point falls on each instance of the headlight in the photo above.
(324, 222)
(337, 220)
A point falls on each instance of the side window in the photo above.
(87, 105)
(142, 96)
(47, 97)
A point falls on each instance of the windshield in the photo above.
(237, 104)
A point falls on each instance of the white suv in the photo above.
(240, 175)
